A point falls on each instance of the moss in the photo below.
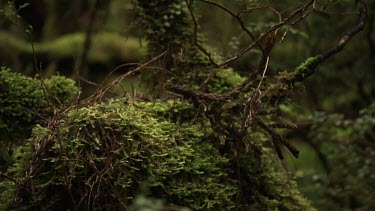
(105, 47)
(285, 81)
(301, 72)
(22, 100)
(127, 147)
(112, 150)
(61, 89)
(224, 80)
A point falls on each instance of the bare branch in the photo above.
(235, 16)
(345, 39)
(200, 47)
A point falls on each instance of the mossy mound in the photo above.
(104, 155)
(23, 99)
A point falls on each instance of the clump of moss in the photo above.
(224, 80)
(102, 155)
(287, 80)
(303, 71)
(23, 98)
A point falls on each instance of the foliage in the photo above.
(23, 97)
(166, 23)
(348, 146)
(24, 102)
(106, 47)
(208, 144)
(20, 98)
(224, 80)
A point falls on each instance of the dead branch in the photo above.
(362, 8)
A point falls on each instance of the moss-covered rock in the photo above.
(104, 155)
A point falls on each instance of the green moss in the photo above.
(61, 89)
(301, 72)
(224, 80)
(129, 148)
(22, 100)
(105, 47)
(278, 91)
(112, 150)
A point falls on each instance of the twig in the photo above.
(99, 93)
(9, 178)
(294, 23)
(345, 39)
(235, 16)
(263, 35)
(264, 72)
(200, 47)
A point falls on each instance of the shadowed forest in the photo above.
(187, 105)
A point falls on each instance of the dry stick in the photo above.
(248, 10)
(237, 17)
(251, 45)
(345, 39)
(294, 23)
(9, 178)
(114, 70)
(320, 59)
(99, 94)
(200, 47)
(262, 36)
(264, 72)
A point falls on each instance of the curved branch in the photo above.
(286, 81)
(362, 8)
(235, 16)
(265, 34)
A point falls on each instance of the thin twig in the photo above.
(200, 47)
(99, 93)
(264, 72)
(9, 178)
(362, 8)
(294, 23)
(235, 16)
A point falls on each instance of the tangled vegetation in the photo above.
(102, 155)
(197, 136)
